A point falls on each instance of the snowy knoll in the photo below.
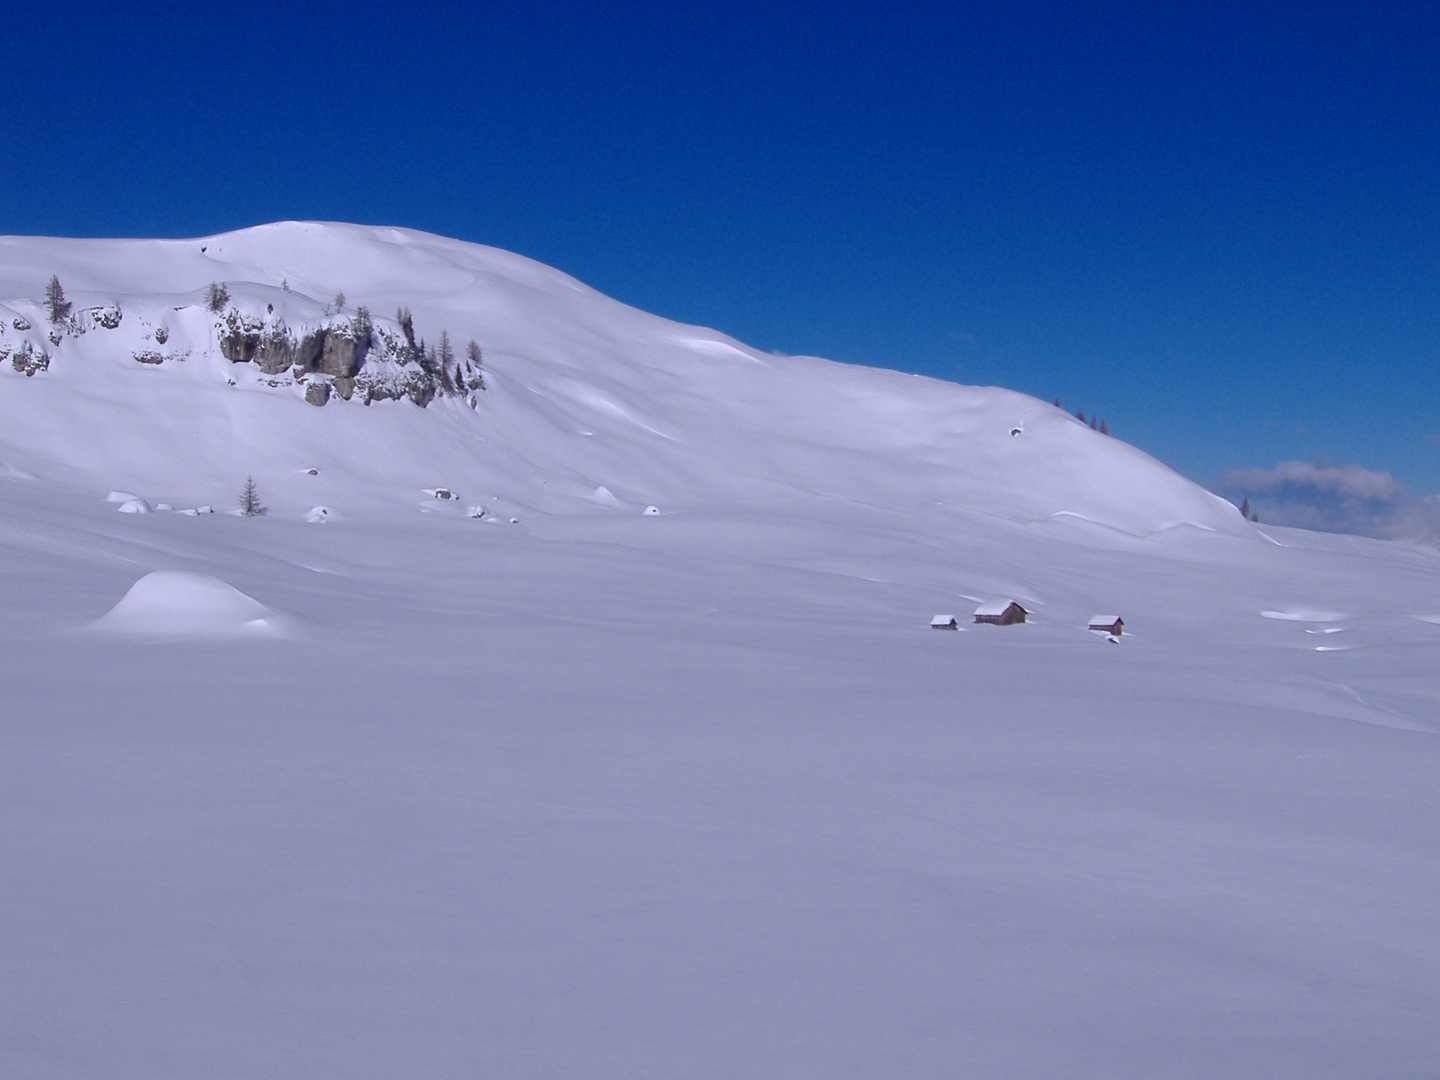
(143, 385)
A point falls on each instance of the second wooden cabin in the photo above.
(1000, 613)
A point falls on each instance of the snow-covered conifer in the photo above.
(250, 499)
(362, 324)
(216, 297)
(56, 306)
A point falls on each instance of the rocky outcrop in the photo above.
(332, 350)
(246, 339)
(27, 359)
(376, 360)
(317, 393)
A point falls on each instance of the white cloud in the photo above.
(1335, 498)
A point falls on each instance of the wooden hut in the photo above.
(944, 622)
(1000, 613)
(1110, 624)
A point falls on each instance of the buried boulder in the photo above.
(185, 605)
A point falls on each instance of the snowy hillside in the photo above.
(582, 393)
(573, 709)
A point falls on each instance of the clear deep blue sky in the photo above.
(1215, 225)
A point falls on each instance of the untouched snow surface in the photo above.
(608, 736)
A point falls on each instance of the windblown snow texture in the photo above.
(597, 729)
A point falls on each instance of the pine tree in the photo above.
(56, 306)
(1104, 428)
(250, 499)
(339, 302)
(473, 354)
(362, 324)
(1094, 423)
(407, 327)
(1245, 508)
(1056, 402)
(216, 297)
(1080, 415)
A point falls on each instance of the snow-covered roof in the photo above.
(942, 620)
(1104, 620)
(994, 607)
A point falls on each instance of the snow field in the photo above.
(613, 793)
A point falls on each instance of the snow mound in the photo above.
(318, 515)
(185, 604)
(1304, 615)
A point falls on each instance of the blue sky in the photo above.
(1217, 228)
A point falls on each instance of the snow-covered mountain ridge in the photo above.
(584, 393)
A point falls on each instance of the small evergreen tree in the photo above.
(1255, 517)
(1245, 508)
(250, 499)
(1104, 428)
(1056, 402)
(56, 306)
(1094, 423)
(216, 297)
(339, 302)
(362, 324)
(474, 355)
(1080, 415)
(407, 327)
(445, 361)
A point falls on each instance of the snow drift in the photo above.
(181, 605)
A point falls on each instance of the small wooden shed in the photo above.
(1000, 613)
(1110, 624)
(944, 622)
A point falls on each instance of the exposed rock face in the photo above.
(276, 350)
(317, 393)
(332, 350)
(344, 386)
(245, 339)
